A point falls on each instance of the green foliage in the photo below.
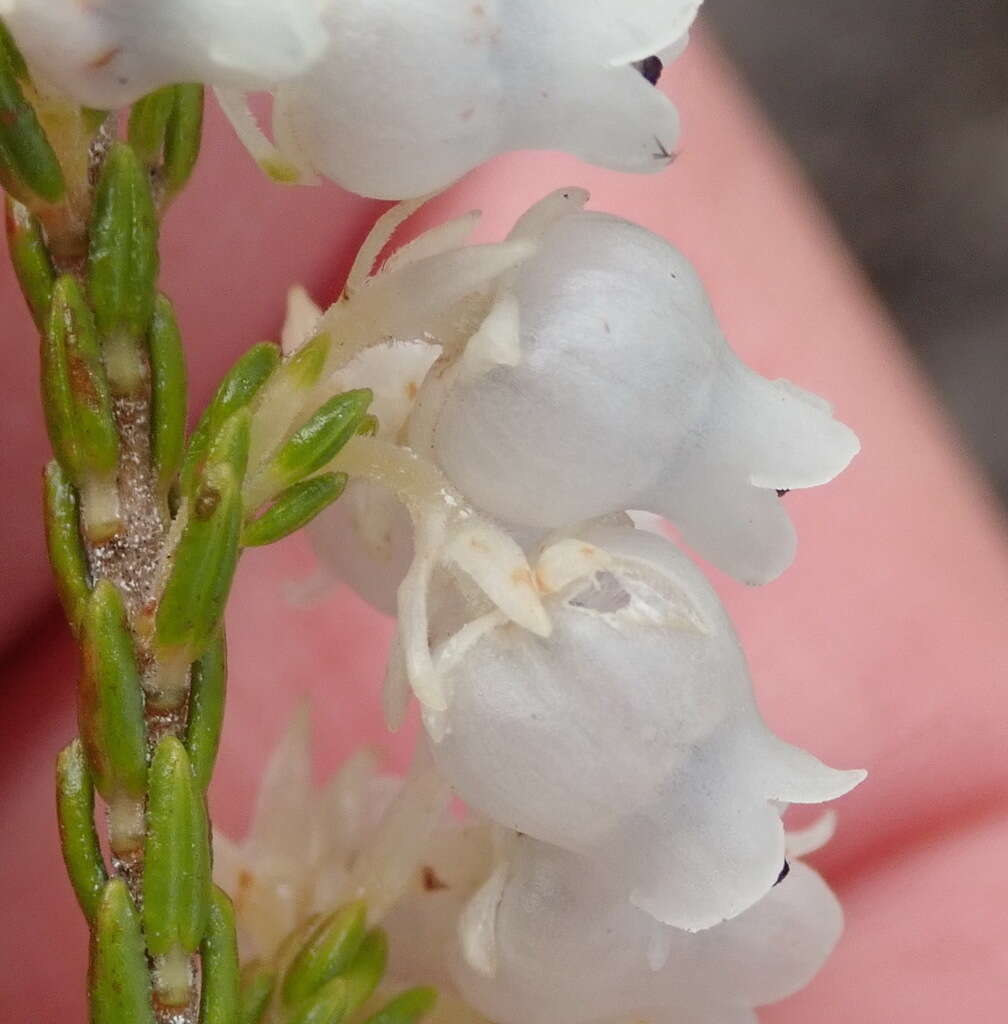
(29, 169)
(182, 137)
(242, 383)
(366, 971)
(11, 54)
(293, 508)
(329, 950)
(257, 985)
(327, 1006)
(111, 714)
(119, 990)
(305, 366)
(315, 444)
(30, 260)
(177, 864)
(65, 544)
(78, 839)
(406, 1008)
(203, 567)
(168, 393)
(148, 122)
(207, 691)
(219, 996)
(75, 391)
(122, 264)
(165, 129)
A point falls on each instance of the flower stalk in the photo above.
(144, 529)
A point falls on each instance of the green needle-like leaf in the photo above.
(148, 121)
(191, 606)
(65, 545)
(122, 265)
(315, 444)
(294, 508)
(327, 1006)
(406, 1008)
(243, 381)
(10, 52)
(29, 256)
(305, 366)
(79, 841)
(366, 971)
(75, 392)
(206, 709)
(182, 137)
(176, 867)
(219, 997)
(30, 167)
(111, 713)
(368, 426)
(235, 392)
(168, 393)
(118, 983)
(229, 447)
(257, 984)
(331, 948)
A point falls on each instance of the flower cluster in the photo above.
(508, 928)
(386, 97)
(580, 684)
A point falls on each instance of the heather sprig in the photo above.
(145, 524)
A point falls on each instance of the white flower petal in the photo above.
(802, 842)
(110, 52)
(388, 860)
(300, 320)
(627, 396)
(570, 948)
(412, 96)
(440, 239)
(282, 820)
(378, 237)
(281, 166)
(633, 30)
(630, 736)
(366, 541)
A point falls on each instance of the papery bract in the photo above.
(414, 93)
(622, 393)
(110, 52)
(628, 735)
(565, 945)
(366, 538)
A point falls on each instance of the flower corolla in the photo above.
(559, 943)
(507, 928)
(107, 53)
(629, 735)
(412, 94)
(609, 386)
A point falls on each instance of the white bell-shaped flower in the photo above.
(629, 734)
(412, 95)
(602, 382)
(559, 942)
(107, 53)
